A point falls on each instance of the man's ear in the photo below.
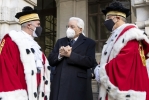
(81, 29)
(28, 25)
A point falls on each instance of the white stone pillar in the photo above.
(67, 9)
(142, 14)
(8, 9)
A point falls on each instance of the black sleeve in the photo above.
(53, 56)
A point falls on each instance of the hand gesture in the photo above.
(65, 51)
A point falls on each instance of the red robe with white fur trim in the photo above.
(18, 73)
(122, 73)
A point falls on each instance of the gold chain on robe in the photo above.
(2, 45)
(142, 54)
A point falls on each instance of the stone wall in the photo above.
(8, 9)
(67, 9)
(141, 11)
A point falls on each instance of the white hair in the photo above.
(80, 22)
(25, 24)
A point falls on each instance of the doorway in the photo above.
(47, 13)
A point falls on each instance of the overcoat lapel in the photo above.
(79, 41)
(65, 42)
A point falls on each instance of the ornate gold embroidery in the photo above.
(2, 45)
(142, 54)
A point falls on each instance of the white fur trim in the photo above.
(147, 65)
(30, 68)
(28, 61)
(14, 95)
(129, 35)
(114, 92)
(110, 43)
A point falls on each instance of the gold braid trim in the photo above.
(142, 54)
(2, 45)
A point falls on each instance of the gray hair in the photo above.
(25, 24)
(123, 19)
(80, 22)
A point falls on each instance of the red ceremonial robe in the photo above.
(18, 73)
(125, 75)
(11, 70)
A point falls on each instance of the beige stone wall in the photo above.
(141, 13)
(67, 9)
(8, 9)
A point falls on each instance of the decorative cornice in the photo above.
(140, 24)
(60, 1)
(7, 15)
(9, 22)
(140, 3)
(32, 2)
(147, 23)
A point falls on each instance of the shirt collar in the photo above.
(27, 35)
(117, 28)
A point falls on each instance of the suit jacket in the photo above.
(70, 81)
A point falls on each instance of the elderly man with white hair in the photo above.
(72, 55)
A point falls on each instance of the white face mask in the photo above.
(34, 34)
(70, 33)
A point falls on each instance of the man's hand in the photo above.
(65, 51)
(61, 51)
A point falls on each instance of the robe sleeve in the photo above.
(126, 71)
(12, 78)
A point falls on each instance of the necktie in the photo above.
(72, 42)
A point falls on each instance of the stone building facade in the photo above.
(55, 14)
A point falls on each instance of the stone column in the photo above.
(67, 9)
(8, 9)
(142, 14)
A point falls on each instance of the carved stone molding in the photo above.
(139, 3)
(144, 25)
(7, 15)
(147, 23)
(140, 25)
(32, 2)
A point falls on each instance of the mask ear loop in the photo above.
(117, 17)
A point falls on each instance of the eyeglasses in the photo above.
(110, 17)
(71, 26)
